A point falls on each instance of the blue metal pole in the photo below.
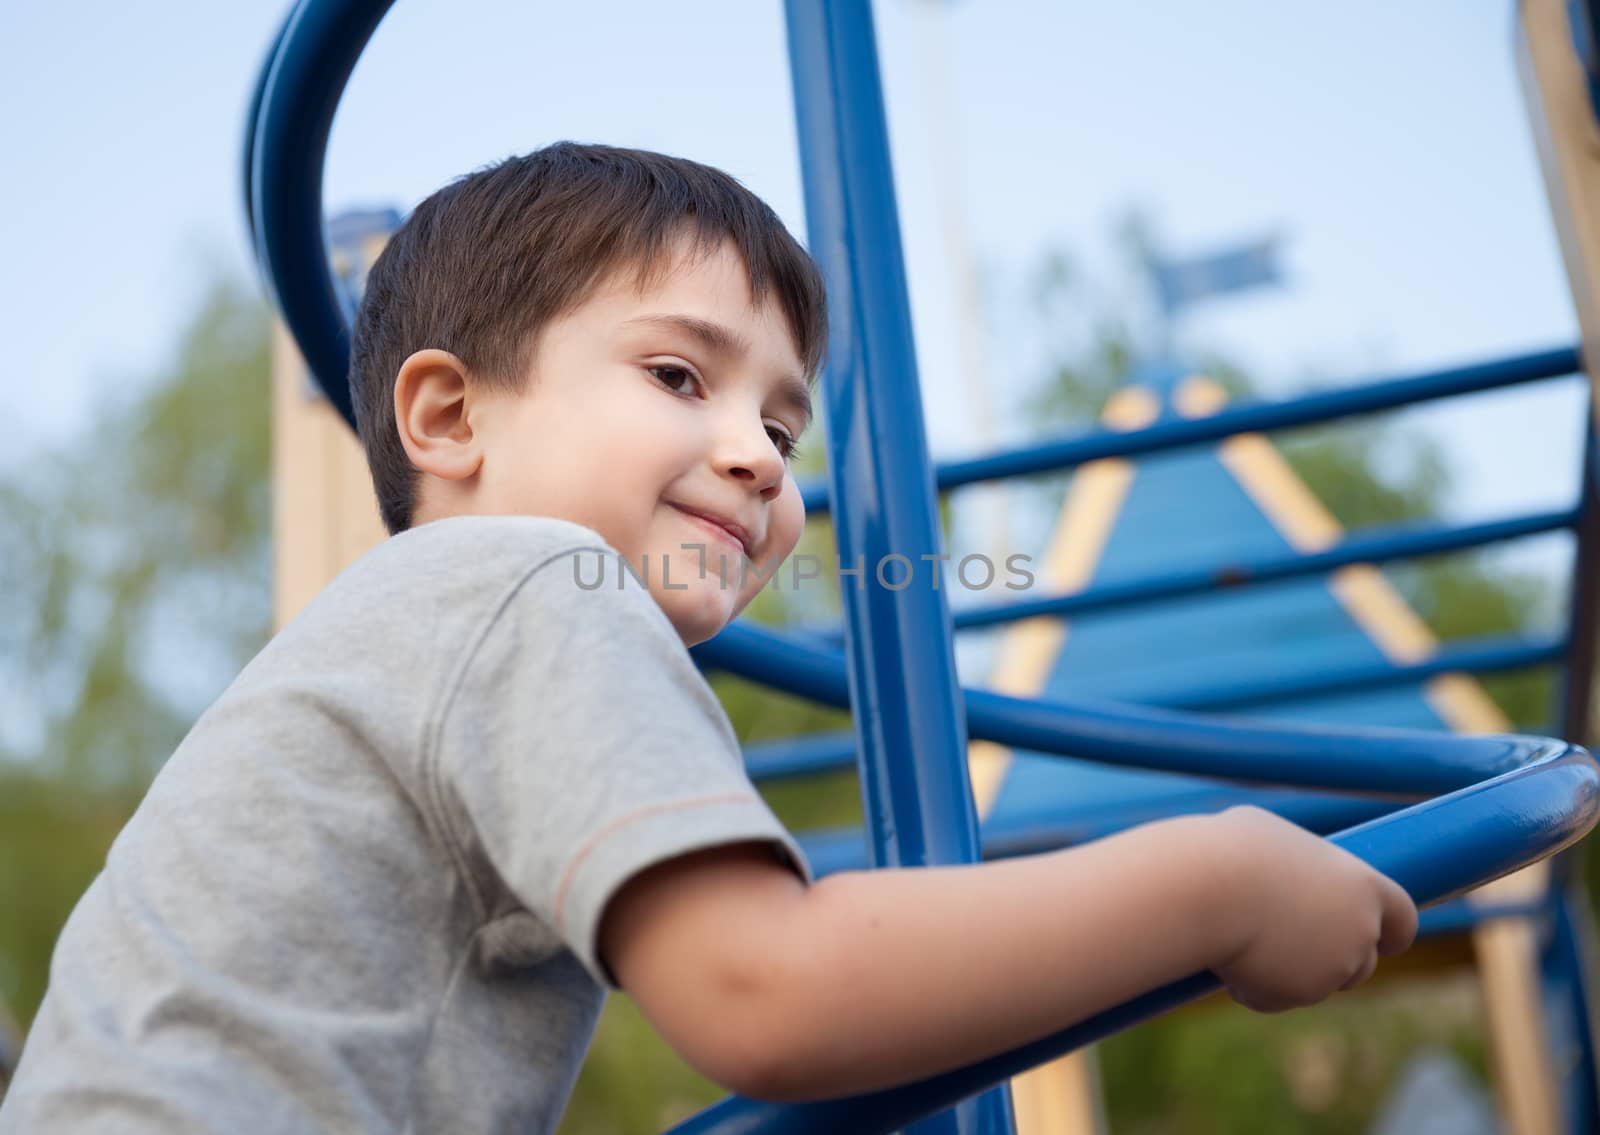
(913, 740)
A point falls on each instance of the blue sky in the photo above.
(1388, 143)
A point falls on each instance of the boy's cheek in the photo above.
(789, 522)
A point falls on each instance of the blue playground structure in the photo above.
(1270, 615)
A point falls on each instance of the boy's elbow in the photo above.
(756, 1070)
(748, 1037)
(714, 950)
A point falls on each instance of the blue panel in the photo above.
(1189, 508)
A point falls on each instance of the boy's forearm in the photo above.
(878, 978)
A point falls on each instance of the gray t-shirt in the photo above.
(363, 895)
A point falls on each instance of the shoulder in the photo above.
(555, 580)
(486, 542)
(461, 563)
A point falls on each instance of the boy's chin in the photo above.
(698, 617)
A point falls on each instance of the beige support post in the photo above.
(1568, 142)
(1567, 139)
(324, 514)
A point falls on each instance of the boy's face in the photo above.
(645, 408)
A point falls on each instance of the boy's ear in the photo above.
(430, 411)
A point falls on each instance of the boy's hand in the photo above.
(1314, 919)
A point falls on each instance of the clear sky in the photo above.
(1387, 142)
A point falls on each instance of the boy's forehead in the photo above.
(705, 292)
(687, 267)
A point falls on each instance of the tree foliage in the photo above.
(136, 586)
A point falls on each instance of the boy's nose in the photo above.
(747, 453)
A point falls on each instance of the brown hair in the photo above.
(484, 264)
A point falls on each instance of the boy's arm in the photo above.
(874, 978)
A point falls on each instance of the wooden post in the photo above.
(1566, 137)
(324, 513)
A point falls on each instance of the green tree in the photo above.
(135, 583)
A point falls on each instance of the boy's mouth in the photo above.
(721, 526)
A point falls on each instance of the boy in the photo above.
(386, 880)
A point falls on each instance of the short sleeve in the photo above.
(581, 746)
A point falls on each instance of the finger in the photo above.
(1399, 928)
(1363, 972)
(1260, 1001)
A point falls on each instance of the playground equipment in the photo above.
(1492, 804)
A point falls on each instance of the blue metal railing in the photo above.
(1510, 800)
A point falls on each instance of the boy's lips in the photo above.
(730, 528)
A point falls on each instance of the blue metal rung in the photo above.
(835, 751)
(1175, 433)
(1473, 656)
(1373, 547)
(1404, 763)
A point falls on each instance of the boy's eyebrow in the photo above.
(720, 340)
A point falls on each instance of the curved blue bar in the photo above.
(248, 153)
(1403, 763)
(829, 752)
(1435, 850)
(1255, 417)
(316, 52)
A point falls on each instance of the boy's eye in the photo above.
(786, 444)
(672, 376)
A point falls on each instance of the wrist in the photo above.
(1226, 889)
